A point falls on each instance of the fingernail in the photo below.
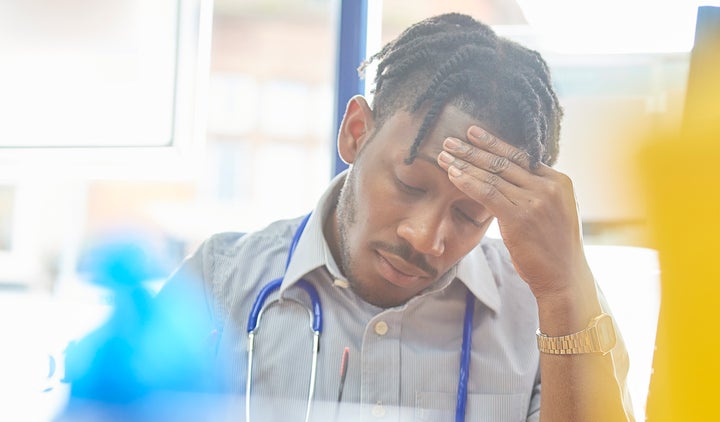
(446, 158)
(478, 132)
(452, 143)
(454, 171)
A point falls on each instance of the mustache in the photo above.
(406, 252)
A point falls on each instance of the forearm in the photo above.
(580, 388)
(538, 218)
(577, 387)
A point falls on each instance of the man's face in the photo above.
(402, 226)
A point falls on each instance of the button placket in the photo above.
(381, 365)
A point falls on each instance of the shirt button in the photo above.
(341, 283)
(378, 411)
(381, 328)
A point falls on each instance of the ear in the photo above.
(355, 129)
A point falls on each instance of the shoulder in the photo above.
(235, 265)
(273, 238)
(232, 260)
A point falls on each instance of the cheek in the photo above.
(377, 201)
(466, 239)
(462, 245)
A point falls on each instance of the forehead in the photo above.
(452, 122)
(402, 128)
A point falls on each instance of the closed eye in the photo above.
(407, 188)
(469, 219)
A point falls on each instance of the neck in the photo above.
(332, 236)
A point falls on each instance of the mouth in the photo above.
(398, 271)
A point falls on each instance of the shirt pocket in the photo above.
(480, 407)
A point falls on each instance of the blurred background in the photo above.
(179, 119)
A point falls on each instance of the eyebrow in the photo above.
(430, 160)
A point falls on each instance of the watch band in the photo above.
(597, 337)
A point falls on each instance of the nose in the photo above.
(424, 232)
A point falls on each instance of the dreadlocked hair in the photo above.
(454, 59)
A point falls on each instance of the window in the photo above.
(270, 112)
(97, 82)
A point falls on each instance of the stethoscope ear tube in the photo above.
(315, 316)
(314, 313)
(252, 325)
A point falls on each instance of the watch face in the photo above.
(606, 334)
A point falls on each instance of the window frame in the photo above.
(178, 159)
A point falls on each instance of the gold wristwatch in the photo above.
(598, 337)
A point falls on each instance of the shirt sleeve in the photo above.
(620, 360)
(187, 290)
(189, 321)
(534, 408)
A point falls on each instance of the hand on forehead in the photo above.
(534, 205)
(494, 173)
(497, 154)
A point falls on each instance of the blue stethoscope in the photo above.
(315, 316)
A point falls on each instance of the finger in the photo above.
(485, 140)
(489, 189)
(492, 163)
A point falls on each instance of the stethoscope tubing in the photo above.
(257, 310)
(464, 374)
(315, 315)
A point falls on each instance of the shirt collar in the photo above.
(312, 252)
(474, 272)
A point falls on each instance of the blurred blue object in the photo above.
(123, 260)
(147, 347)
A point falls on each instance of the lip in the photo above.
(398, 271)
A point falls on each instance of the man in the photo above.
(462, 130)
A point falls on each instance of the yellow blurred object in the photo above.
(682, 177)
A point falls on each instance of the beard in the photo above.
(346, 214)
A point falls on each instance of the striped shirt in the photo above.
(403, 362)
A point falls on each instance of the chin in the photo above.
(374, 297)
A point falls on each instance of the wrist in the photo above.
(569, 310)
(597, 337)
